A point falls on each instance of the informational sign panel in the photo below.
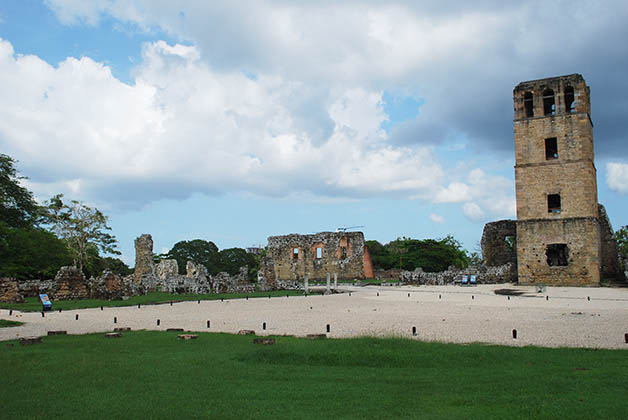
(472, 279)
(465, 279)
(45, 300)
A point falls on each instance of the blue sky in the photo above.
(234, 121)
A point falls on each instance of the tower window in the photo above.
(528, 104)
(549, 104)
(551, 148)
(295, 253)
(569, 99)
(319, 253)
(553, 203)
(343, 252)
(557, 255)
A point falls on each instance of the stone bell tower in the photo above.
(558, 222)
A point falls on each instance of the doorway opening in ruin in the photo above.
(569, 99)
(549, 103)
(319, 253)
(295, 253)
(343, 252)
(528, 104)
(553, 203)
(557, 255)
(551, 148)
(510, 242)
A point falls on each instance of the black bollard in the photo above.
(626, 337)
(138, 306)
(10, 311)
(59, 310)
(76, 317)
(222, 300)
(408, 294)
(170, 303)
(287, 295)
(414, 331)
(439, 296)
(268, 296)
(264, 326)
(328, 328)
(546, 297)
(199, 302)
(514, 334)
(42, 314)
(589, 298)
(508, 297)
(101, 308)
(472, 297)
(349, 293)
(208, 323)
(377, 293)
(115, 319)
(247, 298)
(157, 322)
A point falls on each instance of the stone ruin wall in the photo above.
(506, 273)
(495, 250)
(611, 266)
(288, 265)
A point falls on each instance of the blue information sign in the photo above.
(45, 300)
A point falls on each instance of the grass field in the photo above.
(32, 304)
(220, 376)
(4, 323)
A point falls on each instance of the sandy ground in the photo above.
(440, 313)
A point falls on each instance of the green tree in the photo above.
(30, 252)
(232, 259)
(199, 251)
(17, 205)
(82, 228)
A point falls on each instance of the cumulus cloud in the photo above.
(473, 211)
(437, 218)
(184, 127)
(462, 58)
(617, 177)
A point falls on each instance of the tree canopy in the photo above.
(430, 254)
(82, 228)
(18, 208)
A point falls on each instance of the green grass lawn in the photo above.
(4, 323)
(32, 304)
(220, 376)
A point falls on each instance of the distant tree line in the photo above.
(207, 254)
(431, 255)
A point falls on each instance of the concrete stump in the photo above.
(26, 341)
(264, 341)
(187, 336)
(175, 329)
(57, 332)
(120, 329)
(316, 336)
(113, 335)
(246, 332)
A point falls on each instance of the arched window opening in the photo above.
(528, 104)
(549, 104)
(569, 99)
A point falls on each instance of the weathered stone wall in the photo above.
(393, 273)
(143, 258)
(340, 252)
(70, 283)
(9, 291)
(582, 237)
(506, 273)
(110, 286)
(495, 250)
(32, 288)
(167, 268)
(611, 267)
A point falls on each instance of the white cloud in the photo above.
(436, 218)
(188, 128)
(473, 211)
(617, 177)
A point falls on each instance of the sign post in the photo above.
(45, 301)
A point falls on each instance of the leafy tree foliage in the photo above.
(232, 259)
(17, 205)
(82, 228)
(206, 253)
(30, 253)
(429, 254)
(198, 250)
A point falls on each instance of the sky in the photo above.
(234, 121)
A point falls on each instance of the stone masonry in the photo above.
(498, 243)
(143, 258)
(558, 223)
(295, 255)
